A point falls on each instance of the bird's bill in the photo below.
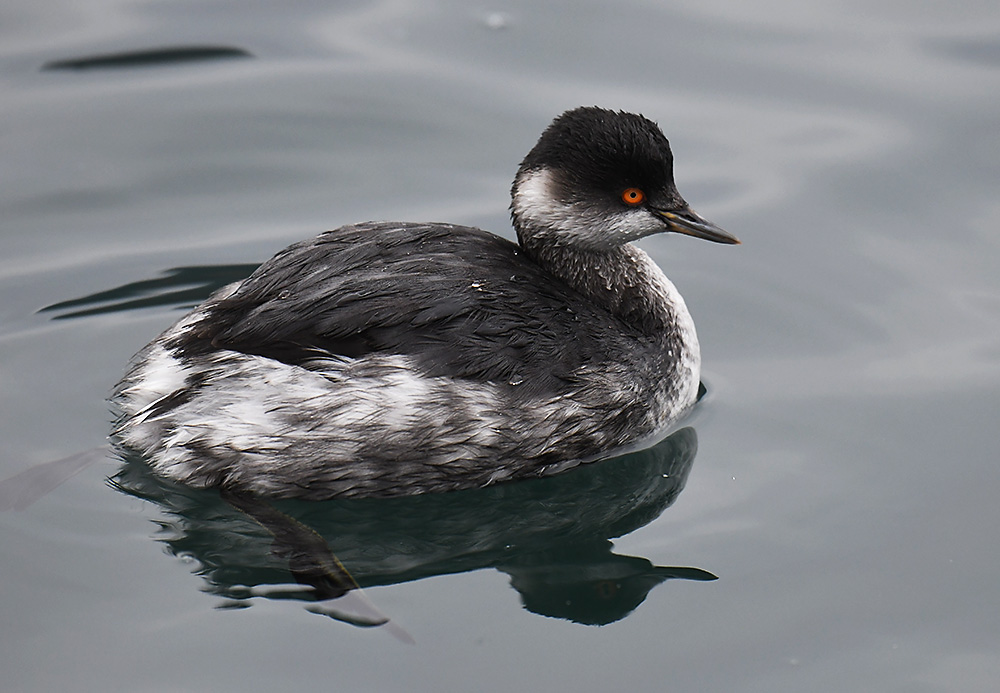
(686, 221)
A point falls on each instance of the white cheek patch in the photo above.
(594, 226)
(535, 200)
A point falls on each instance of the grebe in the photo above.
(384, 359)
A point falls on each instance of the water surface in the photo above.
(839, 480)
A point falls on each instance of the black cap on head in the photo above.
(596, 149)
(599, 178)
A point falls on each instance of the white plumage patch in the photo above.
(688, 368)
(161, 374)
(268, 414)
(585, 225)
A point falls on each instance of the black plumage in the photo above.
(461, 302)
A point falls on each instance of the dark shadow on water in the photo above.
(182, 287)
(149, 57)
(552, 536)
(20, 491)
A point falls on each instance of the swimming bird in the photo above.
(385, 359)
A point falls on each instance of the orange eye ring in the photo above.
(633, 196)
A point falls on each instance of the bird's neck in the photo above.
(624, 280)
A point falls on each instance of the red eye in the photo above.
(633, 196)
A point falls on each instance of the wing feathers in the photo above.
(460, 301)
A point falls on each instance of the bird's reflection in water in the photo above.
(551, 536)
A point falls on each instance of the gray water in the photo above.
(839, 479)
